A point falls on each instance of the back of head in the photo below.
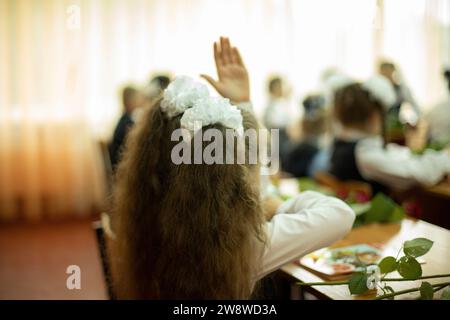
(275, 86)
(184, 231)
(447, 76)
(387, 69)
(129, 93)
(162, 81)
(354, 107)
(313, 103)
(157, 85)
(386, 66)
(314, 121)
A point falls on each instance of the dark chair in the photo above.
(104, 150)
(101, 243)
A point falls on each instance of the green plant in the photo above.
(407, 266)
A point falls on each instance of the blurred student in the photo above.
(331, 80)
(439, 118)
(132, 99)
(359, 151)
(403, 94)
(186, 231)
(278, 113)
(156, 86)
(304, 158)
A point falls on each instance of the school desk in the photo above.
(434, 202)
(442, 189)
(392, 236)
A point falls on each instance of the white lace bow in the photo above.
(184, 95)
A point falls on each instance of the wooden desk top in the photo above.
(441, 189)
(392, 236)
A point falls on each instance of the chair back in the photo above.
(101, 243)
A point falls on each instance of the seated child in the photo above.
(439, 118)
(301, 158)
(197, 231)
(359, 151)
(132, 99)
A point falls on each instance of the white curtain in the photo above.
(62, 62)
(416, 35)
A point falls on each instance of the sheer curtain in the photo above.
(416, 35)
(62, 62)
(50, 167)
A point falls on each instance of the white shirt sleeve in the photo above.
(303, 224)
(397, 167)
(407, 95)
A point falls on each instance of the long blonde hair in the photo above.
(183, 231)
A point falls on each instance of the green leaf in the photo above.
(426, 291)
(446, 294)
(409, 268)
(388, 264)
(307, 184)
(417, 247)
(358, 283)
(381, 208)
(397, 215)
(384, 209)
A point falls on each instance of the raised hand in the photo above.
(233, 82)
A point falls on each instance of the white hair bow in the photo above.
(184, 95)
(381, 89)
(181, 95)
(212, 110)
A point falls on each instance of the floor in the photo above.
(34, 260)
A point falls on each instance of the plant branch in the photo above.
(323, 283)
(420, 278)
(338, 283)
(435, 290)
(390, 295)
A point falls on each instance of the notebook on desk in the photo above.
(339, 263)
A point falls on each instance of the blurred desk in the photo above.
(434, 203)
(442, 189)
(392, 237)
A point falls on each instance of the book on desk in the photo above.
(334, 264)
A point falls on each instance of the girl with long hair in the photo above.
(199, 231)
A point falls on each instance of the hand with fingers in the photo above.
(233, 82)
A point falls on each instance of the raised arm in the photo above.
(233, 81)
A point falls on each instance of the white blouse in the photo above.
(303, 224)
(397, 167)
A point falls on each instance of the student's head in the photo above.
(354, 108)
(388, 70)
(183, 230)
(275, 87)
(313, 103)
(131, 98)
(158, 83)
(161, 81)
(447, 76)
